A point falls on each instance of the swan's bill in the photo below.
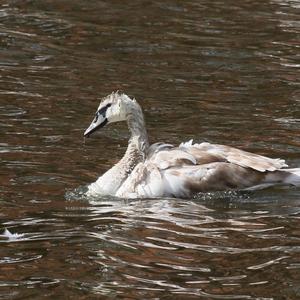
(97, 123)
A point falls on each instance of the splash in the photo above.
(12, 236)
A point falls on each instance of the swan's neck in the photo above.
(137, 128)
(138, 145)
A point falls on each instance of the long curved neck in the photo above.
(138, 145)
(137, 128)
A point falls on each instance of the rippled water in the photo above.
(218, 71)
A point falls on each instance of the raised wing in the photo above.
(233, 155)
(191, 168)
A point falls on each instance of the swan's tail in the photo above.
(284, 176)
(279, 177)
(292, 176)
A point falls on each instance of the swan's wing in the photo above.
(148, 180)
(154, 148)
(166, 156)
(233, 155)
(182, 171)
(188, 180)
(172, 158)
(203, 157)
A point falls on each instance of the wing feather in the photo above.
(240, 157)
(210, 177)
(172, 158)
(190, 168)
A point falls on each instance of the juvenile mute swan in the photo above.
(163, 170)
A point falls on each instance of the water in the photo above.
(217, 71)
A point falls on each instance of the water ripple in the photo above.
(222, 72)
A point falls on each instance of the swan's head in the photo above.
(113, 108)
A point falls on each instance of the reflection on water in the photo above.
(153, 247)
(225, 72)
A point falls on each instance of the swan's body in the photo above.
(162, 170)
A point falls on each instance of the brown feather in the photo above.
(223, 176)
(243, 158)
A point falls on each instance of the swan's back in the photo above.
(190, 168)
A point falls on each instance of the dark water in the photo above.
(219, 71)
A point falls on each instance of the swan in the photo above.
(164, 170)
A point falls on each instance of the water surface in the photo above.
(218, 71)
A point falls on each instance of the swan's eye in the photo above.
(102, 111)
